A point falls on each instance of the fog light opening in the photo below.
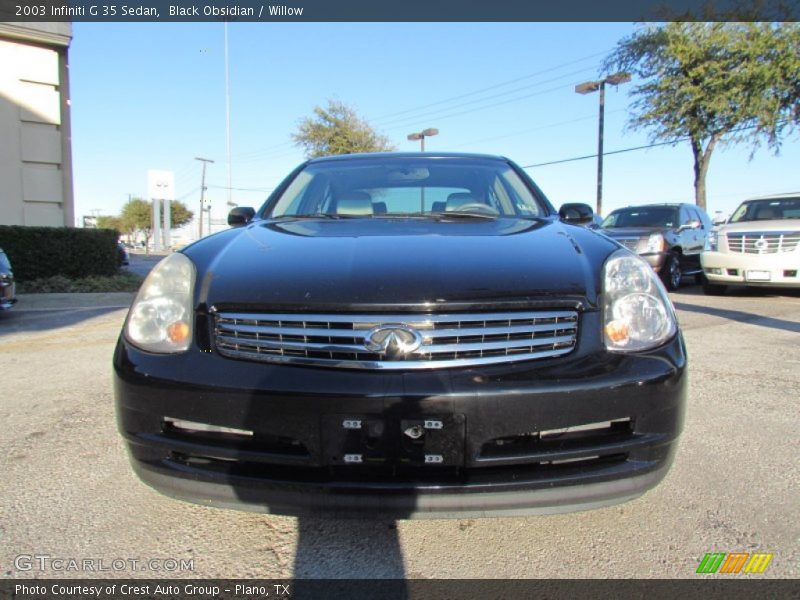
(194, 427)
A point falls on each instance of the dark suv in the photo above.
(668, 236)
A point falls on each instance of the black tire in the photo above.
(714, 289)
(671, 273)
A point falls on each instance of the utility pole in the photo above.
(205, 161)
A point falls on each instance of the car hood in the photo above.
(298, 264)
(767, 225)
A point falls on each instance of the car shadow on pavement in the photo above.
(741, 316)
(347, 549)
(23, 321)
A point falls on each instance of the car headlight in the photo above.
(655, 243)
(712, 241)
(160, 319)
(637, 313)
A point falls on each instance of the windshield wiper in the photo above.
(323, 216)
(459, 214)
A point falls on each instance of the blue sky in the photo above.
(151, 96)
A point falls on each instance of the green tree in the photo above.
(337, 129)
(109, 222)
(179, 214)
(713, 83)
(137, 215)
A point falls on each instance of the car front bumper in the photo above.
(498, 433)
(727, 268)
(7, 295)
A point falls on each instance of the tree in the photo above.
(137, 215)
(713, 83)
(337, 129)
(107, 222)
(179, 214)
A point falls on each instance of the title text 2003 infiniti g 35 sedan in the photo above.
(403, 335)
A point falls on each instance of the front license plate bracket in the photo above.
(427, 440)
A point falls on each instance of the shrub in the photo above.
(124, 282)
(39, 252)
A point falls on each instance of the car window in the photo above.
(694, 215)
(642, 216)
(764, 210)
(374, 187)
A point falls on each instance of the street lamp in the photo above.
(422, 135)
(587, 88)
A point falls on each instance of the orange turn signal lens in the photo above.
(617, 332)
(178, 332)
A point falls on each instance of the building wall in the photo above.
(35, 140)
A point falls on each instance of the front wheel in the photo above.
(671, 273)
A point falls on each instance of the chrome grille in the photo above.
(447, 340)
(763, 243)
(631, 244)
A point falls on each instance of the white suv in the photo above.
(759, 245)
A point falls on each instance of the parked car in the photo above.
(8, 295)
(758, 246)
(402, 335)
(670, 237)
(123, 258)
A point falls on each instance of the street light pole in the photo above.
(600, 86)
(430, 131)
(600, 124)
(202, 194)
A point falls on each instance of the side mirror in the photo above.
(240, 216)
(718, 220)
(576, 213)
(694, 224)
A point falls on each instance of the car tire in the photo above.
(714, 289)
(671, 273)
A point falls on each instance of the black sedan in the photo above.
(402, 335)
(7, 288)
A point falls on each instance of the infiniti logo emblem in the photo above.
(393, 340)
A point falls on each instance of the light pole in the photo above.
(587, 88)
(429, 132)
(422, 135)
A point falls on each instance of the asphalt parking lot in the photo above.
(68, 491)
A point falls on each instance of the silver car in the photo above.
(758, 246)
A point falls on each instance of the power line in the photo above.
(433, 115)
(491, 87)
(576, 158)
(654, 145)
(532, 129)
(239, 189)
(277, 148)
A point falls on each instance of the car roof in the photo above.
(657, 204)
(776, 196)
(378, 155)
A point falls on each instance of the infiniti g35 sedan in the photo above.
(404, 335)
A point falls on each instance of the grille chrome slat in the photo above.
(410, 319)
(772, 242)
(448, 340)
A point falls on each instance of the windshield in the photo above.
(366, 187)
(763, 210)
(644, 216)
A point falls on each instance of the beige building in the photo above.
(35, 139)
